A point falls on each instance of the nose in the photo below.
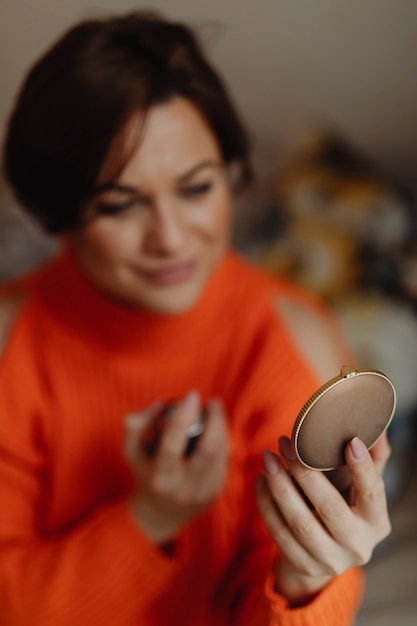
(166, 231)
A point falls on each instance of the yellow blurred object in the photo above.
(347, 232)
(316, 257)
(343, 219)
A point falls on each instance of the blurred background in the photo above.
(328, 90)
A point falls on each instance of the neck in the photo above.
(94, 315)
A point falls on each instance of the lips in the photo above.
(170, 274)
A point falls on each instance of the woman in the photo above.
(125, 145)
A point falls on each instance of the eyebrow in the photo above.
(197, 168)
(114, 186)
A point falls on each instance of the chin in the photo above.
(168, 301)
(171, 306)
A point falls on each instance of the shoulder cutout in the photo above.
(9, 308)
(317, 336)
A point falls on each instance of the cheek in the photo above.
(217, 218)
(109, 242)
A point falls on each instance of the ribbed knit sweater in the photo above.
(75, 364)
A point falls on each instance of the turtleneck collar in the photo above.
(95, 317)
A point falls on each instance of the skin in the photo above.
(173, 490)
(159, 231)
(319, 544)
(156, 251)
(173, 202)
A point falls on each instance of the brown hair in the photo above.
(80, 94)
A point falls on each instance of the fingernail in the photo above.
(215, 404)
(286, 449)
(192, 401)
(358, 449)
(270, 463)
(133, 420)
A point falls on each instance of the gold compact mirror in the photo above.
(357, 403)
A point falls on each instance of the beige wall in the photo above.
(290, 64)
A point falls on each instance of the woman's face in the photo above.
(160, 229)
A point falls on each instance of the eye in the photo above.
(193, 191)
(115, 208)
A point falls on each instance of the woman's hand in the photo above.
(319, 543)
(172, 489)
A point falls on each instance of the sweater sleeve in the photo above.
(100, 569)
(337, 603)
(253, 601)
(271, 410)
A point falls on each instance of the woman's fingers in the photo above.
(303, 522)
(205, 470)
(320, 535)
(280, 531)
(135, 425)
(213, 439)
(380, 453)
(198, 477)
(358, 527)
(327, 501)
(172, 487)
(175, 433)
(370, 497)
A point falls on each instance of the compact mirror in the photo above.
(357, 403)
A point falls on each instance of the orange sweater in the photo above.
(75, 364)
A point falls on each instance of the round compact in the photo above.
(357, 403)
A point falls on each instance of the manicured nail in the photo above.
(133, 420)
(192, 400)
(215, 404)
(358, 449)
(286, 449)
(270, 463)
